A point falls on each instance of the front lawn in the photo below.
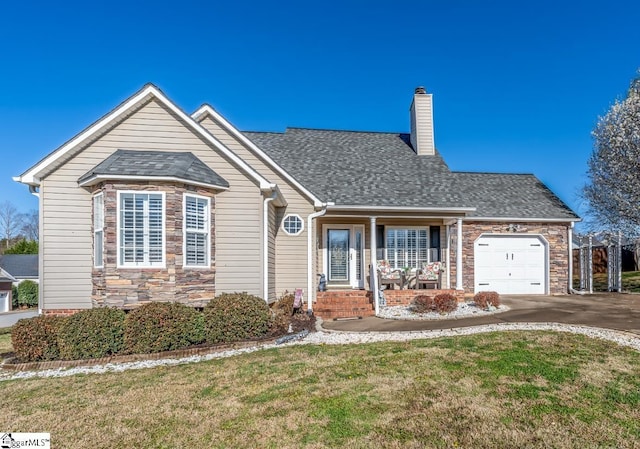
(510, 389)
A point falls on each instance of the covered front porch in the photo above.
(350, 247)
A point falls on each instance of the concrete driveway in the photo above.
(8, 319)
(616, 311)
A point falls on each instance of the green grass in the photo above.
(511, 389)
(630, 282)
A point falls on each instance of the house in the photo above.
(21, 266)
(150, 203)
(6, 281)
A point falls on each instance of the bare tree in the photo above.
(30, 225)
(613, 192)
(10, 221)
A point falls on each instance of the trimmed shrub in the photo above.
(236, 316)
(484, 299)
(445, 303)
(162, 326)
(423, 304)
(28, 294)
(36, 339)
(281, 313)
(284, 303)
(91, 334)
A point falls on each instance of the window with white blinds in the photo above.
(196, 231)
(141, 229)
(407, 247)
(98, 230)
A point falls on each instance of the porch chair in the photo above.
(430, 275)
(387, 276)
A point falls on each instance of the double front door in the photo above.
(344, 255)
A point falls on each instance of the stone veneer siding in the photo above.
(130, 287)
(556, 234)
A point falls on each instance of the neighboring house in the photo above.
(21, 266)
(6, 281)
(151, 204)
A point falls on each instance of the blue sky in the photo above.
(517, 86)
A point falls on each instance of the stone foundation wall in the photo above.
(555, 234)
(130, 287)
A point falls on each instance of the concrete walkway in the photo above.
(8, 319)
(617, 311)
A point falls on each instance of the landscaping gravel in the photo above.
(464, 310)
(339, 338)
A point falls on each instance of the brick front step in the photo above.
(344, 304)
(359, 303)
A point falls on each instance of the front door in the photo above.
(338, 255)
(344, 255)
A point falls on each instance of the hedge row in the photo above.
(153, 327)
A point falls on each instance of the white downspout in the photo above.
(310, 288)
(265, 244)
(459, 255)
(374, 261)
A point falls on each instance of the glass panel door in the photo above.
(338, 251)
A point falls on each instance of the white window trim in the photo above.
(301, 224)
(184, 231)
(406, 228)
(93, 209)
(157, 265)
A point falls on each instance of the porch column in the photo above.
(374, 275)
(459, 255)
(448, 253)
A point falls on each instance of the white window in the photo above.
(407, 247)
(141, 229)
(98, 230)
(292, 224)
(196, 231)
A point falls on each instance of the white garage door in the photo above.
(510, 264)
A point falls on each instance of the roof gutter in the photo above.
(431, 210)
(525, 220)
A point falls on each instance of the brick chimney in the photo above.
(422, 123)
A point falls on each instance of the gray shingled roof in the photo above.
(162, 164)
(511, 196)
(361, 168)
(381, 169)
(21, 266)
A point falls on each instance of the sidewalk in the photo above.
(617, 311)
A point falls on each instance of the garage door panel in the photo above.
(510, 264)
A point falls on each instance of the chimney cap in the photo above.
(421, 90)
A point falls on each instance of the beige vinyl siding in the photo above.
(291, 251)
(67, 243)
